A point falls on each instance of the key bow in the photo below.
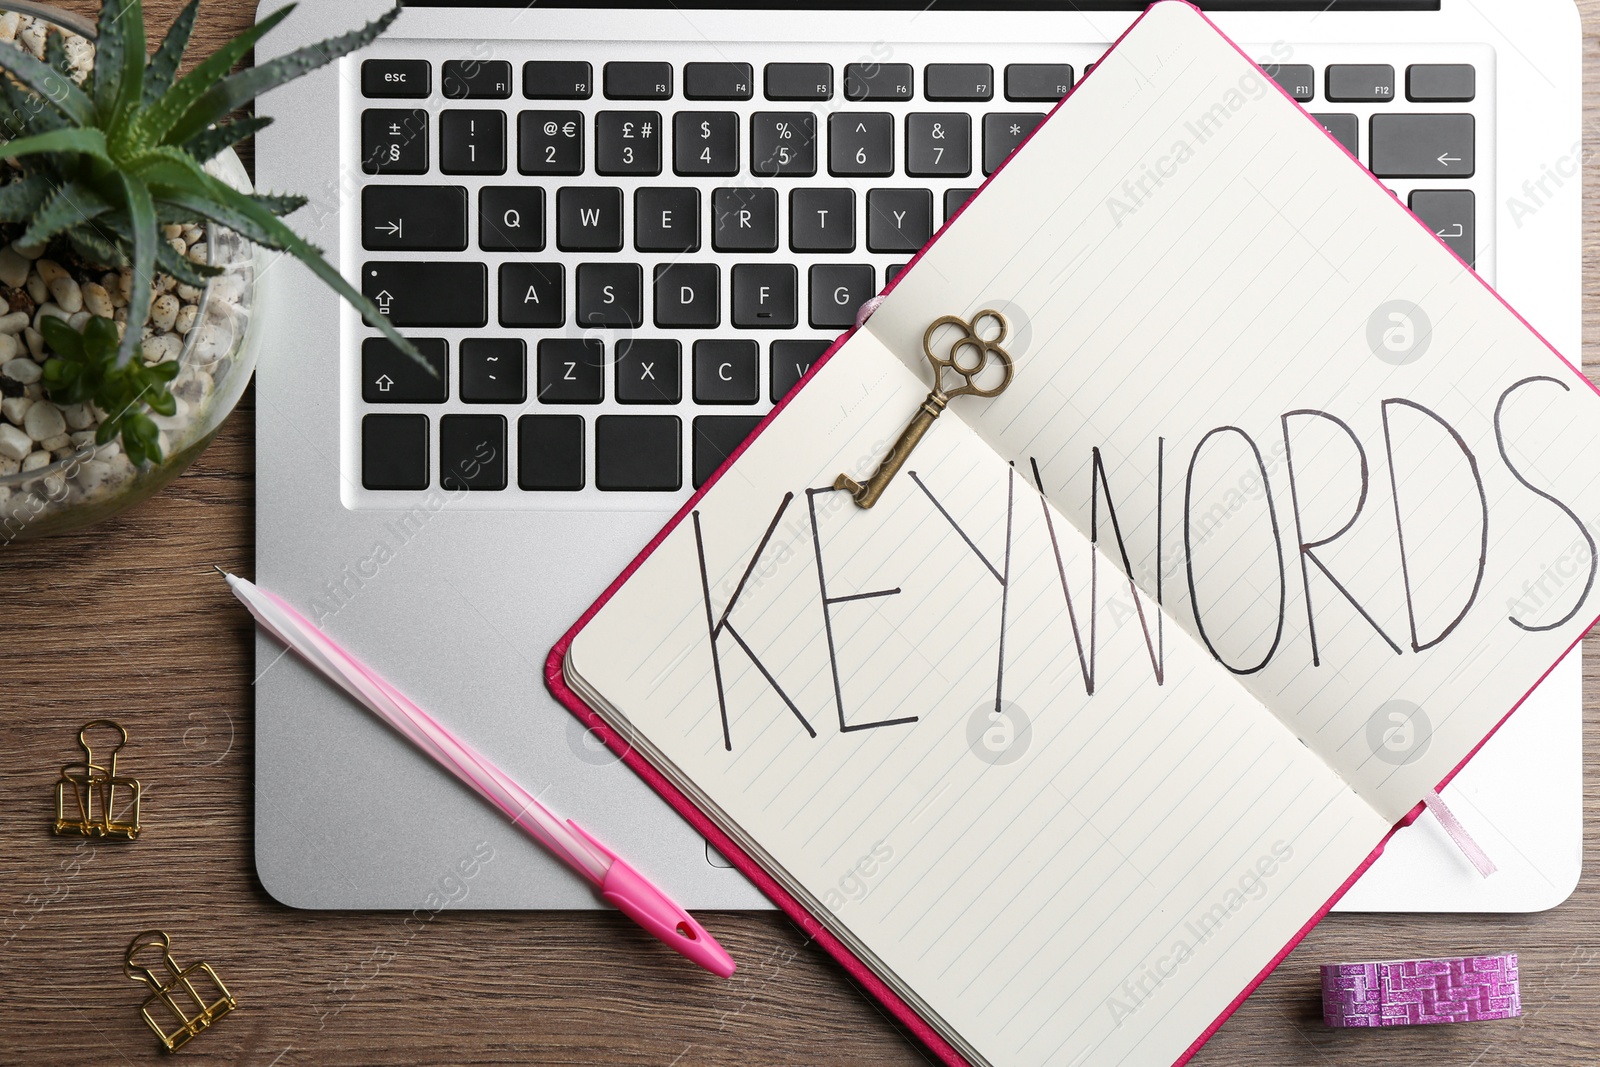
(969, 356)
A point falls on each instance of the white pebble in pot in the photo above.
(14, 408)
(68, 294)
(164, 311)
(44, 421)
(14, 443)
(22, 371)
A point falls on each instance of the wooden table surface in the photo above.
(129, 621)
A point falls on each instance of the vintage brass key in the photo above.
(970, 354)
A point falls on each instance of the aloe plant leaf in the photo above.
(184, 269)
(154, 123)
(117, 84)
(95, 247)
(212, 140)
(69, 205)
(239, 212)
(52, 87)
(163, 66)
(142, 216)
(87, 140)
(22, 198)
(279, 204)
(236, 90)
(25, 112)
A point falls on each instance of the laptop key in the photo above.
(394, 141)
(744, 220)
(420, 218)
(715, 439)
(550, 142)
(877, 81)
(1003, 132)
(799, 81)
(705, 143)
(718, 81)
(532, 294)
(571, 370)
(511, 218)
(899, 220)
(688, 295)
(428, 292)
(394, 451)
(638, 81)
(765, 296)
(789, 362)
(472, 142)
(472, 452)
(557, 80)
(954, 199)
(822, 220)
(475, 79)
(958, 81)
(610, 294)
(648, 371)
(1453, 83)
(1360, 82)
(666, 220)
(1343, 128)
(627, 142)
(638, 453)
(861, 143)
(892, 271)
(1450, 214)
(1045, 82)
(589, 219)
(1299, 80)
(1421, 146)
(396, 78)
(494, 370)
(550, 453)
(783, 144)
(939, 145)
(389, 376)
(837, 291)
(727, 372)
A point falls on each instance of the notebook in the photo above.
(1133, 669)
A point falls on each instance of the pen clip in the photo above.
(640, 900)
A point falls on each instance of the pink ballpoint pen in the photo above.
(619, 884)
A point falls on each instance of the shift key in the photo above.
(420, 293)
(1421, 146)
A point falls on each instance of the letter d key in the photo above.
(969, 356)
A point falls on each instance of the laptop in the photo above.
(620, 231)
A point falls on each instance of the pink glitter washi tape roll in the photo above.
(1420, 992)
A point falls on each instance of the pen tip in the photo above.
(219, 570)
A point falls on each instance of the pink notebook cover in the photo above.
(797, 911)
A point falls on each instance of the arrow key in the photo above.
(1421, 146)
(389, 376)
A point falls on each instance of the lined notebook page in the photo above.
(1268, 352)
(1082, 879)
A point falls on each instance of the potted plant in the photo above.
(129, 244)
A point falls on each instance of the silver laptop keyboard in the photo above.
(617, 266)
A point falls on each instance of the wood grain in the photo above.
(130, 621)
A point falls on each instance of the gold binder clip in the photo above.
(101, 804)
(970, 355)
(185, 998)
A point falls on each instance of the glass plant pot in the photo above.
(84, 482)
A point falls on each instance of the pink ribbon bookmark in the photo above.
(1458, 833)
